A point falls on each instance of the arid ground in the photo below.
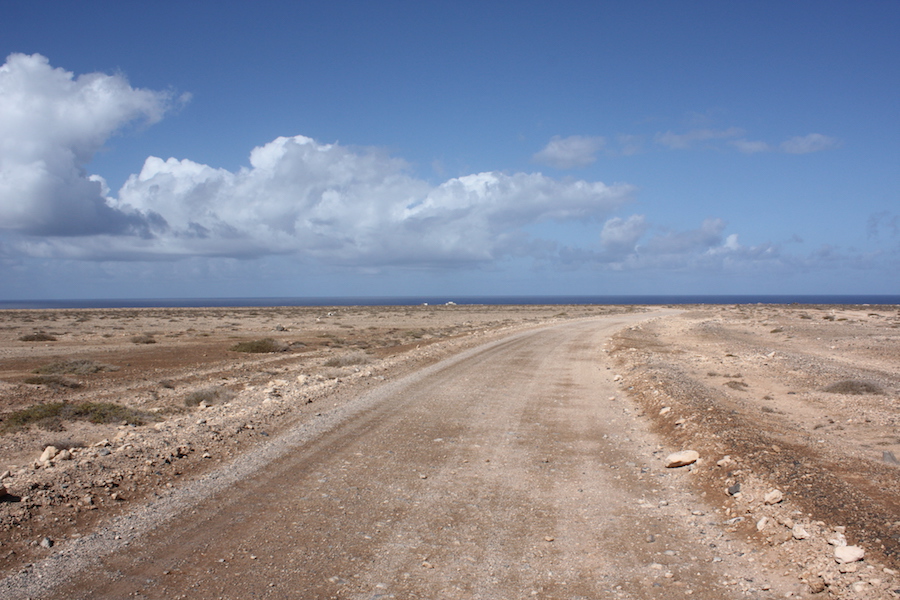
(450, 451)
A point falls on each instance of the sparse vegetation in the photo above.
(851, 386)
(259, 346)
(144, 338)
(210, 395)
(74, 367)
(347, 360)
(39, 336)
(57, 381)
(52, 416)
(737, 385)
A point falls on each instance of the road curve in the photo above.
(514, 470)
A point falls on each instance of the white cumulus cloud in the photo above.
(570, 152)
(326, 202)
(619, 236)
(51, 125)
(349, 205)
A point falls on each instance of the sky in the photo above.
(354, 148)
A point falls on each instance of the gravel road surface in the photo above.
(517, 469)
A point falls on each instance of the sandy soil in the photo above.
(747, 382)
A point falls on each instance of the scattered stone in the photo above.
(888, 457)
(48, 454)
(761, 524)
(848, 554)
(664, 410)
(816, 584)
(682, 458)
(64, 455)
(838, 539)
(734, 489)
(46, 543)
(774, 497)
(3, 491)
(651, 538)
(724, 461)
(799, 532)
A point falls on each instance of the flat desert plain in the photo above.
(792, 409)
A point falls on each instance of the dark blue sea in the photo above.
(432, 300)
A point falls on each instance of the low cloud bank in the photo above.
(326, 203)
(333, 203)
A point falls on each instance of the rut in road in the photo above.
(513, 470)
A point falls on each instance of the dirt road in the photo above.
(517, 469)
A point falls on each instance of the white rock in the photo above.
(838, 539)
(664, 410)
(64, 455)
(799, 532)
(725, 461)
(681, 459)
(48, 454)
(774, 497)
(848, 554)
(761, 524)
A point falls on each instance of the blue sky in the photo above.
(243, 149)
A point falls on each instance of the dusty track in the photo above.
(513, 470)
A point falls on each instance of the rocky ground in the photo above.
(191, 400)
(792, 410)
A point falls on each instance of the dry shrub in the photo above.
(40, 336)
(851, 386)
(737, 385)
(51, 416)
(259, 346)
(347, 360)
(74, 367)
(144, 338)
(210, 395)
(57, 381)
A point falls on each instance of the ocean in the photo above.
(652, 300)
